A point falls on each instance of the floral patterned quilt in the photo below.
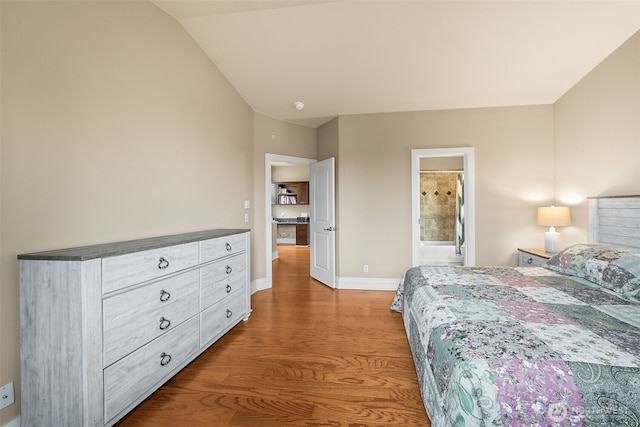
(521, 346)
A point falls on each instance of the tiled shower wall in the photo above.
(438, 206)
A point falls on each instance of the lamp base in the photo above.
(551, 240)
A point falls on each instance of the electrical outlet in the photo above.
(6, 395)
(246, 204)
(246, 217)
(365, 268)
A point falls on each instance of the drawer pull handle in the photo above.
(228, 246)
(163, 263)
(228, 288)
(229, 313)
(229, 269)
(530, 261)
(164, 295)
(165, 359)
(164, 323)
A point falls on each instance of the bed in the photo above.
(557, 345)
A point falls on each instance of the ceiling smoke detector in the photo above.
(299, 105)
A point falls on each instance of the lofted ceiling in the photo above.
(368, 56)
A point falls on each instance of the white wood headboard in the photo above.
(615, 220)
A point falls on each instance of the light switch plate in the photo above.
(6, 395)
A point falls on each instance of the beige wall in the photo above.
(442, 163)
(514, 174)
(597, 136)
(273, 137)
(586, 144)
(289, 173)
(115, 126)
(329, 140)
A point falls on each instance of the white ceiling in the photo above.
(368, 56)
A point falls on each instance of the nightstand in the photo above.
(532, 257)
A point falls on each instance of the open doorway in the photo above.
(271, 227)
(289, 205)
(443, 206)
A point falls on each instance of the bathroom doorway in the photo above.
(442, 211)
(443, 222)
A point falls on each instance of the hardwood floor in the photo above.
(308, 356)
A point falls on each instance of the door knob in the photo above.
(330, 229)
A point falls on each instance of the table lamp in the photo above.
(552, 217)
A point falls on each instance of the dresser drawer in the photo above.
(222, 246)
(128, 379)
(133, 318)
(125, 270)
(221, 279)
(220, 316)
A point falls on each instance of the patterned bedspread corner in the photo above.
(398, 300)
(521, 347)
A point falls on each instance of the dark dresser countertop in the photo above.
(105, 250)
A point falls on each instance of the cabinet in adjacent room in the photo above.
(302, 234)
(292, 193)
(103, 326)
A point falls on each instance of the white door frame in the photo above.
(268, 159)
(469, 198)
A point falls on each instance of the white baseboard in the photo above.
(367, 283)
(260, 285)
(360, 283)
(14, 422)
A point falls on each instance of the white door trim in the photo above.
(467, 154)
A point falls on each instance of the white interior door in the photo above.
(322, 222)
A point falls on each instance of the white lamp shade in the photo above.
(554, 216)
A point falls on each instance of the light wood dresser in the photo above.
(103, 326)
